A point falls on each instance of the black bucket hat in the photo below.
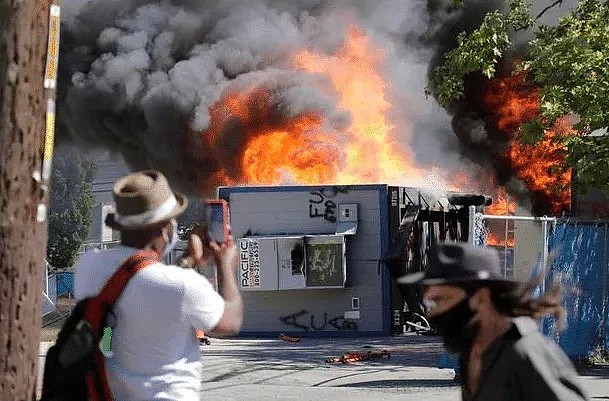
(460, 264)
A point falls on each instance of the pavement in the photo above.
(278, 370)
(273, 369)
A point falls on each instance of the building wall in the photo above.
(258, 211)
(109, 168)
(528, 245)
(528, 248)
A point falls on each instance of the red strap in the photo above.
(91, 386)
(115, 285)
(98, 385)
(97, 380)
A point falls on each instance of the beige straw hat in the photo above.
(144, 199)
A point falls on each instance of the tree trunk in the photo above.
(23, 42)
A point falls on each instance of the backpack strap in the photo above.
(115, 285)
(97, 379)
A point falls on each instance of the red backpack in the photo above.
(75, 369)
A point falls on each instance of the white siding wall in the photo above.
(109, 168)
(286, 211)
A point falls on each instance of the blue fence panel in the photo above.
(65, 283)
(579, 263)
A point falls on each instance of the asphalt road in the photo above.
(277, 370)
(272, 369)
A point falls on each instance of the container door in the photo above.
(291, 262)
(325, 261)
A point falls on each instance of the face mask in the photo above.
(171, 244)
(456, 327)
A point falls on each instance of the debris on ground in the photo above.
(357, 356)
(290, 339)
(202, 337)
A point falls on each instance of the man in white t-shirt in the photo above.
(155, 352)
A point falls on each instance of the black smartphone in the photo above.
(217, 220)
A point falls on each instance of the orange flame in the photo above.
(500, 241)
(541, 166)
(512, 102)
(501, 233)
(276, 149)
(371, 152)
(302, 156)
(502, 204)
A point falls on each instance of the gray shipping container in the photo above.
(313, 259)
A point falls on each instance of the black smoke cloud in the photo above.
(139, 77)
(477, 141)
(480, 141)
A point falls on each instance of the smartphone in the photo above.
(217, 220)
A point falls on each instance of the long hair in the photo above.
(520, 301)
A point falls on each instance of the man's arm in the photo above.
(226, 258)
(232, 318)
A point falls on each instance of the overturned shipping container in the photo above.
(322, 260)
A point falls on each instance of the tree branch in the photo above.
(545, 10)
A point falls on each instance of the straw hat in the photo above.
(144, 199)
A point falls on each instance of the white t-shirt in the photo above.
(155, 350)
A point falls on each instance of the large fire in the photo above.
(273, 148)
(371, 152)
(541, 167)
(512, 102)
(298, 149)
(502, 204)
(501, 233)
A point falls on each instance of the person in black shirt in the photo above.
(490, 322)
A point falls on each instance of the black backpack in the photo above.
(74, 369)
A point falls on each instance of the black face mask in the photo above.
(456, 327)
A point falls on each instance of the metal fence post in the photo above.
(472, 226)
(544, 254)
(603, 320)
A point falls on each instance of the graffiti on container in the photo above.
(290, 320)
(333, 191)
(319, 206)
(337, 323)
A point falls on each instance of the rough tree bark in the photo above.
(23, 42)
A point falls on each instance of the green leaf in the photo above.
(70, 212)
(569, 61)
(532, 132)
